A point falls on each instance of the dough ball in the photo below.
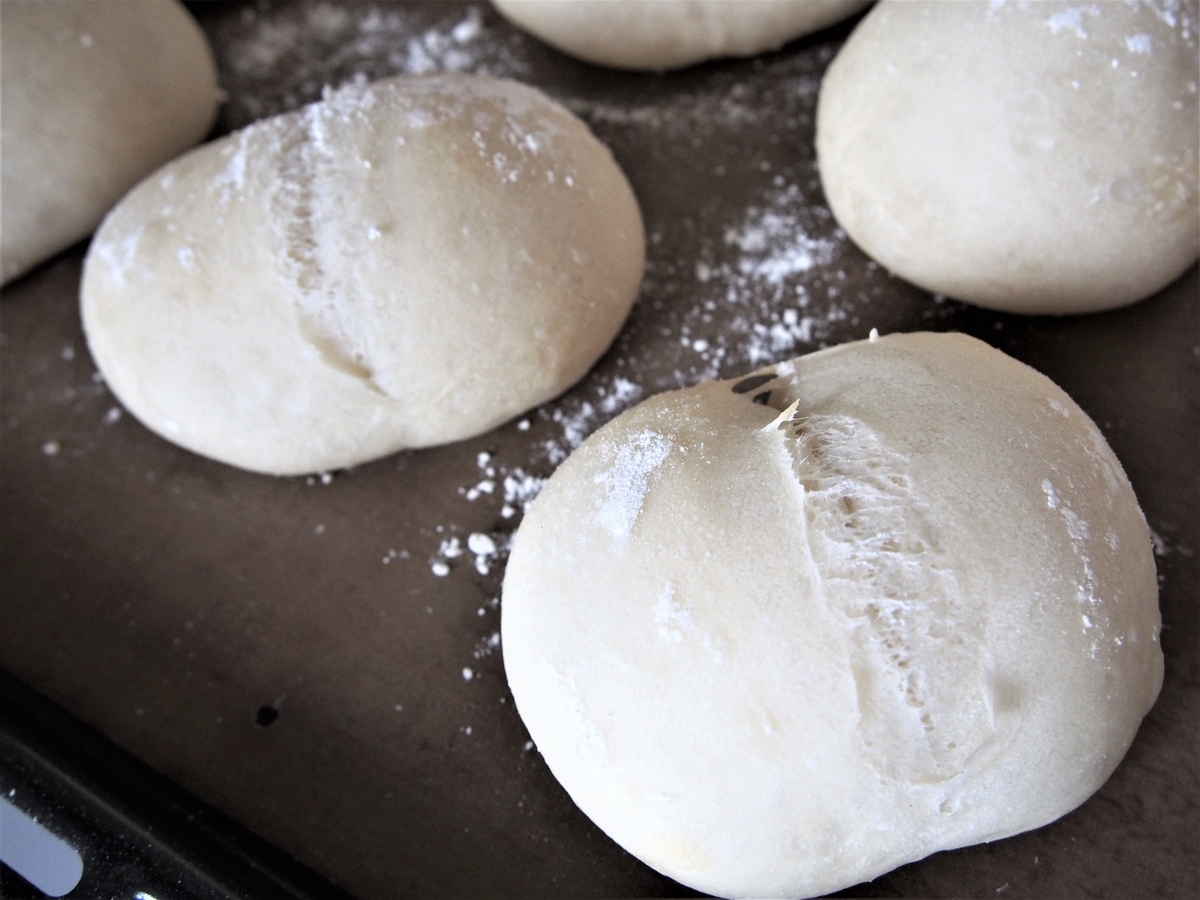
(402, 264)
(96, 95)
(1027, 157)
(781, 634)
(671, 34)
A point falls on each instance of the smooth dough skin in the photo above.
(96, 95)
(774, 650)
(403, 264)
(671, 34)
(1026, 157)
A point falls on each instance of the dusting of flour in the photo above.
(625, 481)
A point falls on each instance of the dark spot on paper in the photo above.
(748, 384)
(266, 715)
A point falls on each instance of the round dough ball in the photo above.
(402, 264)
(1026, 157)
(96, 95)
(670, 34)
(774, 654)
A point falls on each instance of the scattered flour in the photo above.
(1139, 43)
(770, 289)
(727, 102)
(517, 489)
(485, 550)
(278, 58)
(624, 394)
(1071, 19)
(1161, 547)
(451, 548)
(393, 554)
(491, 643)
(577, 416)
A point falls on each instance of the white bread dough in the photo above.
(96, 95)
(1026, 157)
(670, 34)
(402, 264)
(773, 655)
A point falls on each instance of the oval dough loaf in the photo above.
(402, 264)
(774, 654)
(670, 34)
(96, 95)
(1027, 157)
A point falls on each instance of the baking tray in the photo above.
(314, 662)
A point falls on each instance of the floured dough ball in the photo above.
(781, 634)
(670, 34)
(1026, 157)
(96, 95)
(402, 264)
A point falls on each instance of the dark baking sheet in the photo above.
(283, 648)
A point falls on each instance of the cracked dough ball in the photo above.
(1026, 157)
(402, 264)
(671, 34)
(96, 95)
(781, 634)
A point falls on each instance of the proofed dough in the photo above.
(670, 34)
(1027, 157)
(96, 95)
(781, 634)
(403, 264)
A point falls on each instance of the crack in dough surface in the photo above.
(919, 662)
